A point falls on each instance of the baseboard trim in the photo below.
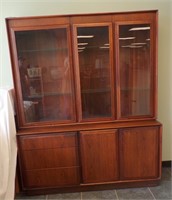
(166, 163)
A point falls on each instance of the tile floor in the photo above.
(161, 192)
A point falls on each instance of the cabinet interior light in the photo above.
(82, 43)
(104, 47)
(139, 43)
(140, 28)
(127, 38)
(131, 46)
(85, 36)
(81, 48)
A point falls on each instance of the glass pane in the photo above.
(135, 70)
(94, 64)
(45, 74)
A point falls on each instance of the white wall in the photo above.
(13, 8)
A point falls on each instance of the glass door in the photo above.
(93, 61)
(45, 74)
(135, 71)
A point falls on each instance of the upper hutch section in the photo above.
(84, 68)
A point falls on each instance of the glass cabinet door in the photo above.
(45, 74)
(93, 45)
(135, 70)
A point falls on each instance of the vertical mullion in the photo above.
(117, 67)
(77, 75)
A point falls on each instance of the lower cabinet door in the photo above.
(99, 156)
(139, 152)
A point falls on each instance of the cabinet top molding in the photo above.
(85, 14)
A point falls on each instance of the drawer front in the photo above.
(49, 158)
(51, 177)
(46, 141)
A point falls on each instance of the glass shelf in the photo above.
(92, 91)
(41, 50)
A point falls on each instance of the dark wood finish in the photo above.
(36, 22)
(50, 160)
(51, 177)
(17, 186)
(48, 141)
(139, 150)
(61, 147)
(138, 16)
(96, 187)
(99, 161)
(87, 126)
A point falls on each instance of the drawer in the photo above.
(46, 141)
(51, 177)
(50, 158)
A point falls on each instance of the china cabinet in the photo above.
(86, 101)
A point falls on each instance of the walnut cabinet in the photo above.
(86, 101)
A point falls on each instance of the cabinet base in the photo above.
(93, 187)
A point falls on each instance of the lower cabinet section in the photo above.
(90, 158)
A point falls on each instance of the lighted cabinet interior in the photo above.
(86, 101)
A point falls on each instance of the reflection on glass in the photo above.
(93, 53)
(45, 74)
(135, 70)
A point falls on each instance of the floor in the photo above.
(161, 192)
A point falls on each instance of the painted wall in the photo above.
(14, 8)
